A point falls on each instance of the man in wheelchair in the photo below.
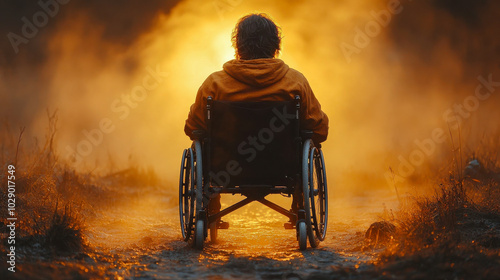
(250, 122)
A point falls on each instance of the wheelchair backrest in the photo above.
(252, 143)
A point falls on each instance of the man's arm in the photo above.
(196, 116)
(313, 117)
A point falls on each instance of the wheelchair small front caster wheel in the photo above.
(200, 234)
(302, 235)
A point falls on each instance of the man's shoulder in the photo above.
(295, 74)
(216, 76)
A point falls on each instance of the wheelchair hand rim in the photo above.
(317, 178)
(186, 201)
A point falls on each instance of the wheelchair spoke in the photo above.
(186, 206)
(318, 194)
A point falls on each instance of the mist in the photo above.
(389, 74)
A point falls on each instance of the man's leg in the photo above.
(214, 205)
(297, 202)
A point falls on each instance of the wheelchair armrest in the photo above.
(306, 134)
(198, 134)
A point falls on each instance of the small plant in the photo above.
(65, 231)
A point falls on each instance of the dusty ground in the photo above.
(140, 239)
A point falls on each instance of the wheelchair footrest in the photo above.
(289, 225)
(223, 225)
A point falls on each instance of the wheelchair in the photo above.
(253, 149)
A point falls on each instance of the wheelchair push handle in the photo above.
(199, 134)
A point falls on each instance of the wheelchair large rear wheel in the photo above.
(200, 226)
(186, 194)
(318, 193)
(315, 193)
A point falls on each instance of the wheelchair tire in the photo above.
(302, 235)
(199, 238)
(308, 145)
(307, 159)
(198, 161)
(186, 194)
(318, 193)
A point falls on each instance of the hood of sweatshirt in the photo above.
(260, 72)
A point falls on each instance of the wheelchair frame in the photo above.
(195, 191)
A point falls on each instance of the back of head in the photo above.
(256, 36)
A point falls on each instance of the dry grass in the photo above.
(453, 234)
(38, 194)
(53, 200)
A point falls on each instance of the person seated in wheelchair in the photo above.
(258, 75)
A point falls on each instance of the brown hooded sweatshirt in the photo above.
(266, 79)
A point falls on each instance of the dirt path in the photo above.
(135, 242)
(138, 237)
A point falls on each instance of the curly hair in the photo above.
(256, 36)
